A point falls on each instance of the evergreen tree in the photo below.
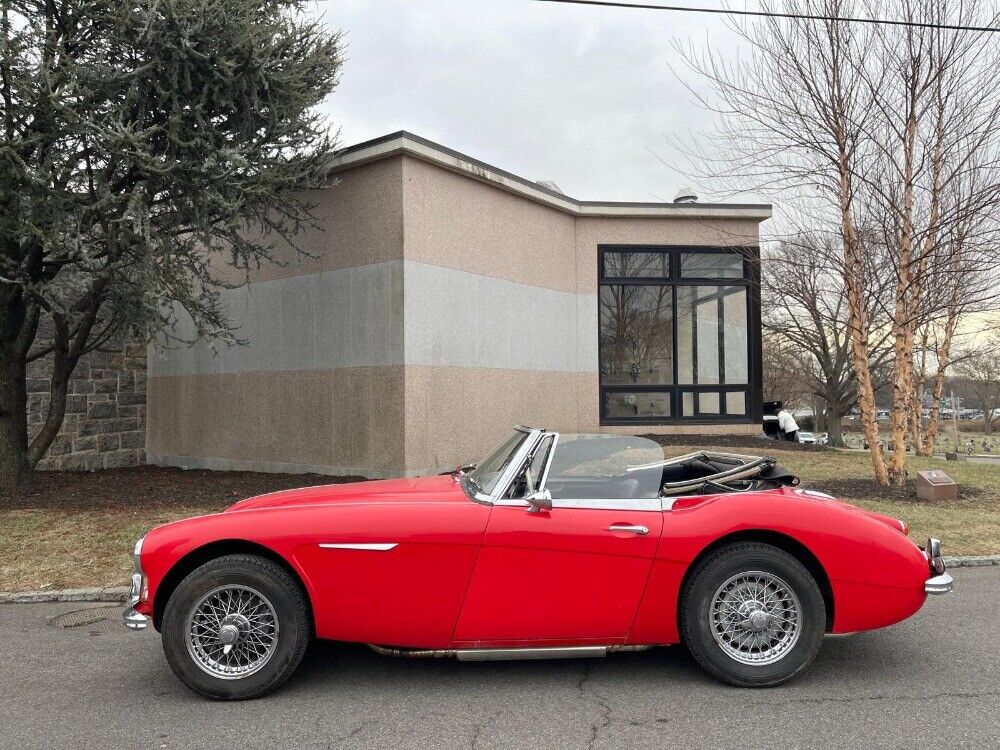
(141, 142)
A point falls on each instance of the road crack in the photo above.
(586, 692)
(351, 734)
(875, 698)
(477, 729)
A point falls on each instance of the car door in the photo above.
(570, 574)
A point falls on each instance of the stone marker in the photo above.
(936, 485)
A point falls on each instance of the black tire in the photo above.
(697, 630)
(290, 607)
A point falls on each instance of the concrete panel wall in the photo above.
(349, 317)
(461, 319)
(456, 222)
(359, 222)
(341, 421)
(320, 385)
(457, 414)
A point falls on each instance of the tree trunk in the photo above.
(857, 321)
(15, 468)
(62, 369)
(833, 418)
(917, 403)
(943, 361)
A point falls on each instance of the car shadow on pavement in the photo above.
(347, 672)
(840, 661)
(328, 660)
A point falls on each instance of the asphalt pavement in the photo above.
(933, 681)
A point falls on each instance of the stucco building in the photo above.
(447, 300)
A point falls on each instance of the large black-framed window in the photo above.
(678, 334)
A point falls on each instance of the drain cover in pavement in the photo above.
(92, 617)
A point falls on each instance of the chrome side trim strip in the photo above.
(604, 503)
(375, 547)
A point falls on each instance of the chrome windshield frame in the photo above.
(527, 448)
(532, 436)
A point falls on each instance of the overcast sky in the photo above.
(547, 91)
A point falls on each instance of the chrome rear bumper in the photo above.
(938, 584)
(941, 582)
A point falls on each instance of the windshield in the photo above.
(605, 466)
(488, 471)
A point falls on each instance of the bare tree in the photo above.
(981, 374)
(805, 307)
(787, 373)
(960, 287)
(869, 129)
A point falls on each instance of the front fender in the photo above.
(183, 545)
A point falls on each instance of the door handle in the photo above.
(640, 530)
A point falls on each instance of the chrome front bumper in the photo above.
(132, 619)
(942, 581)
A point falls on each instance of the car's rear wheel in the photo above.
(752, 615)
(236, 627)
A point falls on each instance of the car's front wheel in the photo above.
(752, 615)
(236, 627)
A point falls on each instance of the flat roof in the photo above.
(404, 142)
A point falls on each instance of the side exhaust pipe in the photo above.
(506, 654)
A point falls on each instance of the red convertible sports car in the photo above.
(553, 546)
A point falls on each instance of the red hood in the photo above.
(416, 489)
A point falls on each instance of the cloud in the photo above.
(565, 93)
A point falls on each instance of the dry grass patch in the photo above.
(77, 529)
(50, 548)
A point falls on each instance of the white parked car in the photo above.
(807, 437)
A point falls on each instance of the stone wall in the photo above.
(105, 424)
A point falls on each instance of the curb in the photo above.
(111, 594)
(973, 561)
(120, 593)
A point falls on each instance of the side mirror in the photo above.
(538, 501)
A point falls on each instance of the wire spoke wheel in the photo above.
(755, 618)
(232, 632)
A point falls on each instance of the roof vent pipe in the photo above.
(550, 185)
(685, 195)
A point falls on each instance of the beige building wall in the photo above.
(440, 307)
(319, 387)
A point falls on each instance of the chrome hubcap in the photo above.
(755, 617)
(232, 632)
